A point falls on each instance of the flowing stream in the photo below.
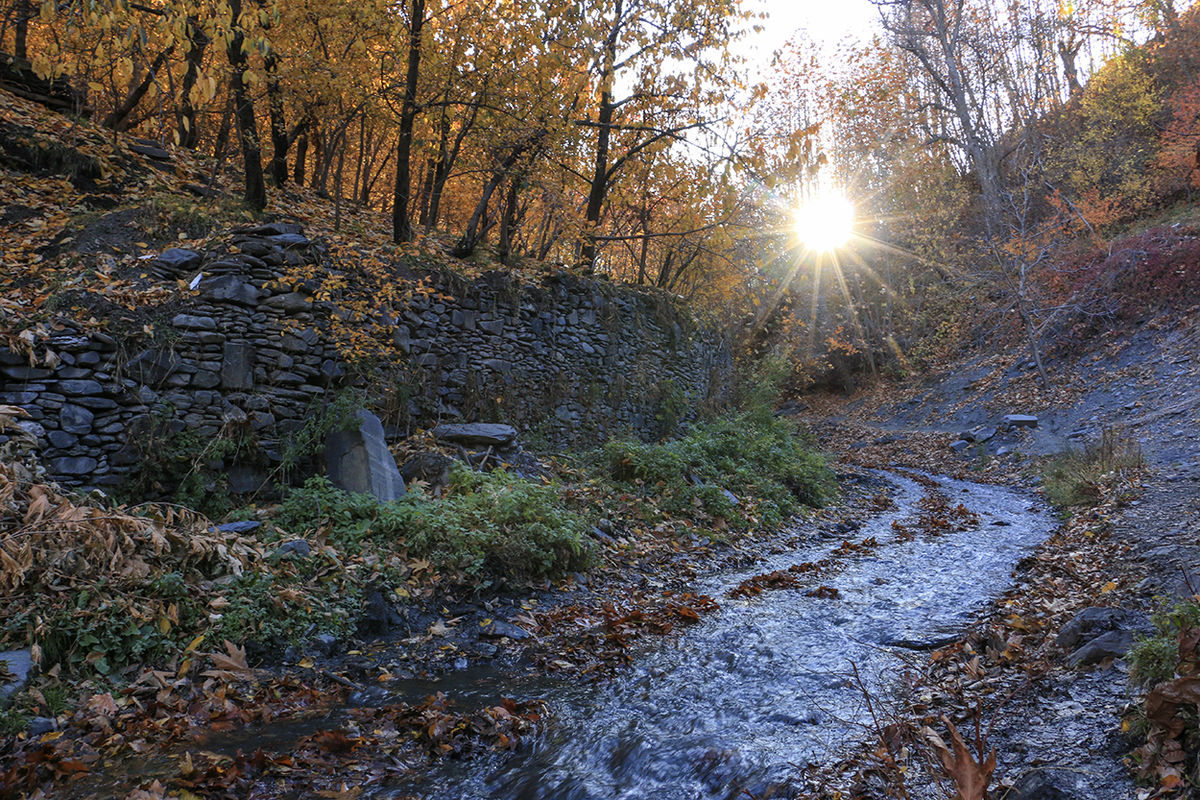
(767, 685)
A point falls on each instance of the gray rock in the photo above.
(39, 726)
(61, 439)
(230, 289)
(205, 379)
(237, 366)
(1113, 644)
(194, 322)
(241, 526)
(20, 665)
(176, 260)
(983, 434)
(960, 445)
(289, 241)
(150, 151)
(273, 229)
(291, 303)
(432, 467)
(1021, 421)
(75, 419)
(1048, 784)
(73, 465)
(295, 548)
(498, 628)
(359, 461)
(152, 367)
(477, 434)
(1092, 622)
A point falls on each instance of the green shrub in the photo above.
(319, 503)
(1084, 478)
(754, 455)
(1155, 658)
(498, 525)
(494, 524)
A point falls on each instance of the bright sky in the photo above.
(826, 21)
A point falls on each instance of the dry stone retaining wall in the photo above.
(571, 360)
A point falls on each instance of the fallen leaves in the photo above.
(970, 775)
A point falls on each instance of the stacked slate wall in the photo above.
(567, 362)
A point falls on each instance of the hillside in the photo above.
(519, 400)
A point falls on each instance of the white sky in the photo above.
(826, 22)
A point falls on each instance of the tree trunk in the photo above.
(256, 189)
(442, 173)
(189, 130)
(471, 236)
(599, 187)
(280, 142)
(301, 155)
(508, 225)
(118, 119)
(1068, 54)
(401, 223)
(25, 11)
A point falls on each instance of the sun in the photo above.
(826, 222)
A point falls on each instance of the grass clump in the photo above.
(754, 456)
(1084, 478)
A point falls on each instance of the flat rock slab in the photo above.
(19, 664)
(477, 434)
(1021, 421)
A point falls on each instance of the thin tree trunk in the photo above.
(604, 118)
(401, 222)
(256, 189)
(25, 11)
(508, 222)
(119, 118)
(337, 187)
(189, 130)
(360, 162)
(301, 155)
(280, 141)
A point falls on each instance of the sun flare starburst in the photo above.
(826, 222)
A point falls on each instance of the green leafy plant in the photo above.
(753, 455)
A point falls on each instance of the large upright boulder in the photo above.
(358, 460)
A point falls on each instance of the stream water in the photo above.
(766, 685)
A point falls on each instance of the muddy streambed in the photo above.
(765, 685)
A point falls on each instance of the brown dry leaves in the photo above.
(49, 544)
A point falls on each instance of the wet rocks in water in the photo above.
(499, 629)
(1112, 644)
(379, 617)
(1046, 784)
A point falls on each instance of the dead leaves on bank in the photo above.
(52, 547)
